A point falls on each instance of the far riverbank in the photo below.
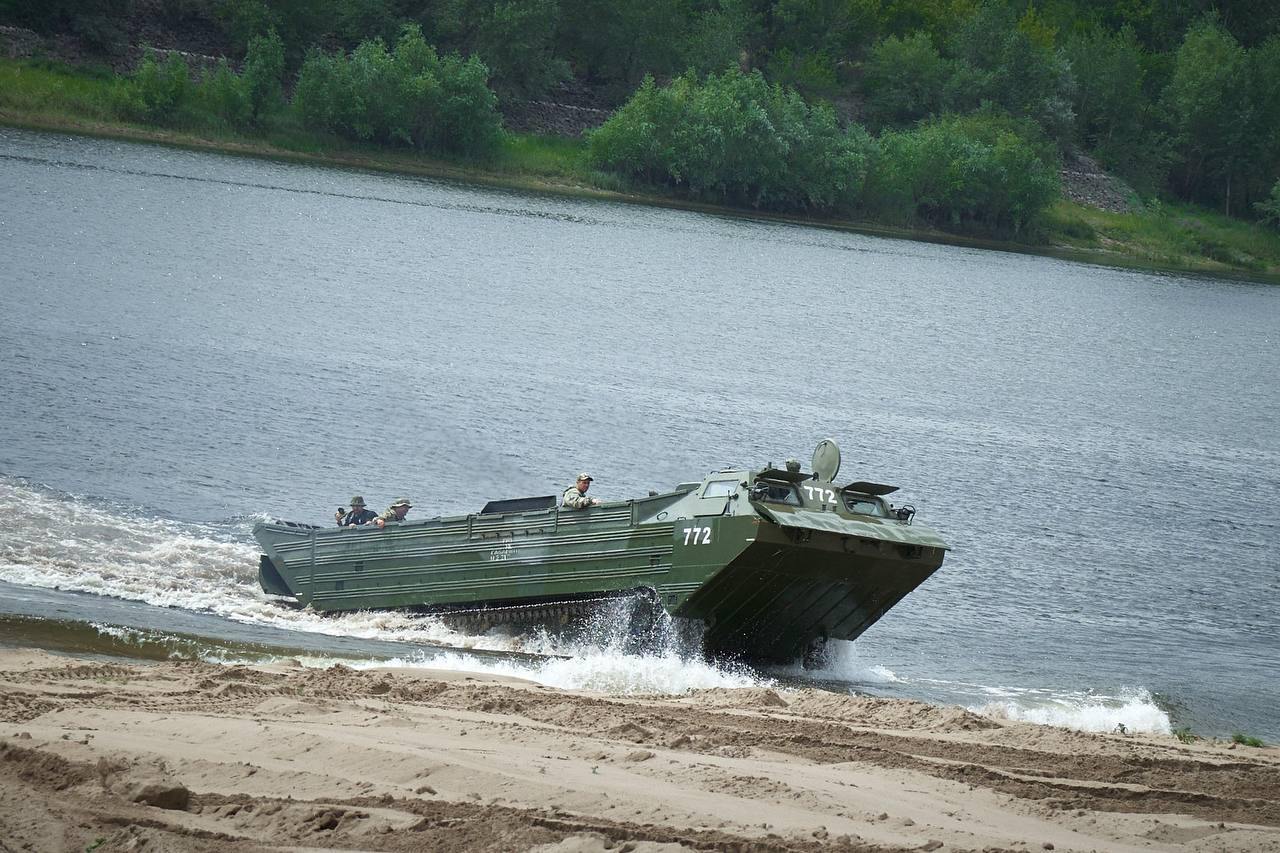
(1159, 237)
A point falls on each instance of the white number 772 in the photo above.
(824, 495)
(698, 535)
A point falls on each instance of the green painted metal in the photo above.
(769, 560)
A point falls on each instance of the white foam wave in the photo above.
(632, 674)
(62, 542)
(626, 675)
(841, 664)
(1130, 711)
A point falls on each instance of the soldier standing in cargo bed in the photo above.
(358, 515)
(575, 497)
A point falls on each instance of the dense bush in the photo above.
(164, 92)
(962, 174)
(737, 139)
(158, 92)
(407, 96)
(222, 95)
(1269, 208)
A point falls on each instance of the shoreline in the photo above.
(185, 755)
(390, 162)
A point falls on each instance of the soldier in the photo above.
(358, 515)
(575, 497)
(396, 512)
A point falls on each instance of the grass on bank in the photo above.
(1168, 235)
(50, 90)
(53, 95)
(32, 91)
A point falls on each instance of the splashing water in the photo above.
(59, 541)
(1133, 710)
(841, 663)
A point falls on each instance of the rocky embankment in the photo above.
(1085, 182)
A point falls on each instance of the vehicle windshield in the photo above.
(720, 488)
(864, 505)
(781, 493)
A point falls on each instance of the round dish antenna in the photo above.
(826, 461)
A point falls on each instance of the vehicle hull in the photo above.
(765, 584)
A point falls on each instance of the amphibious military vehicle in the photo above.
(771, 562)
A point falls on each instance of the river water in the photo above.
(192, 342)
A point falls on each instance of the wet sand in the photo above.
(194, 756)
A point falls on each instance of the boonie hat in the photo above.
(357, 501)
(585, 476)
(401, 502)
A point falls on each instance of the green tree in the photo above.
(244, 19)
(1000, 62)
(1207, 102)
(834, 28)
(299, 23)
(904, 80)
(719, 36)
(516, 39)
(262, 74)
(355, 21)
(619, 43)
(1114, 115)
(938, 18)
(1262, 133)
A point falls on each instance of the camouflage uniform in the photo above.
(390, 514)
(574, 499)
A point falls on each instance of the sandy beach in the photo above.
(198, 756)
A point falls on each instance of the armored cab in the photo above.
(770, 561)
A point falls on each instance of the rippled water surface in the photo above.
(193, 341)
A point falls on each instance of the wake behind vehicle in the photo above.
(771, 562)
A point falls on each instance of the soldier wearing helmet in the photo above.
(575, 497)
